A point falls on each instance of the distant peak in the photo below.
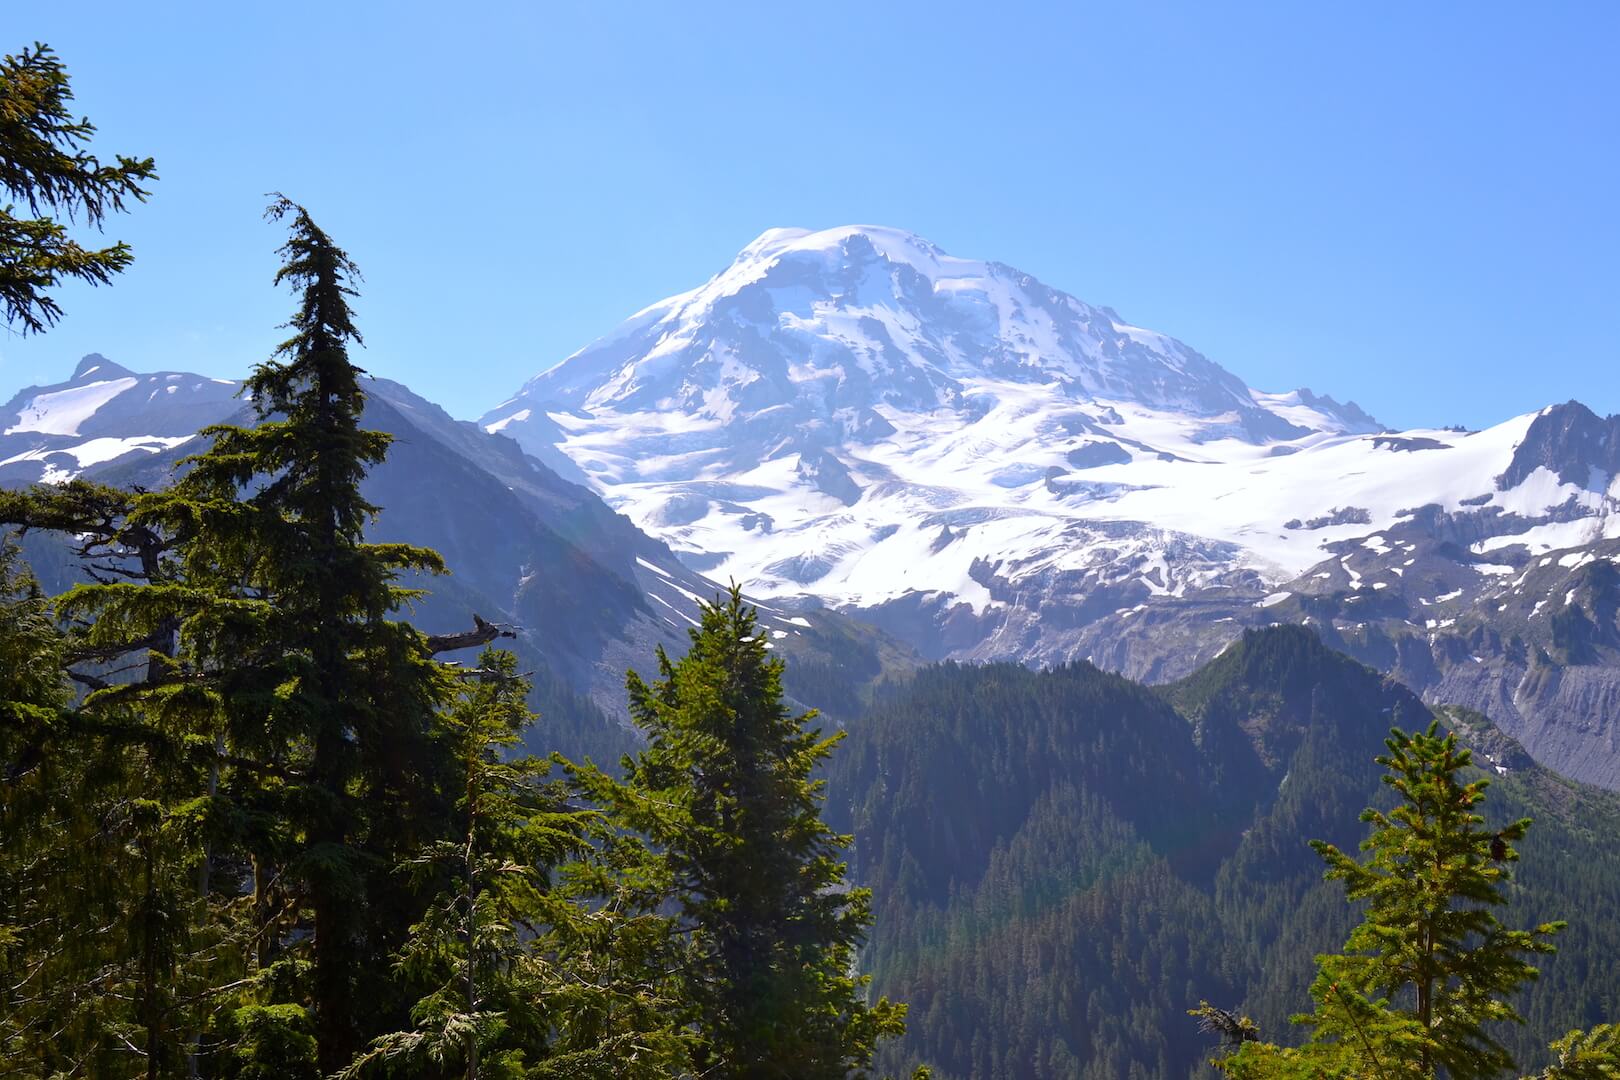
(94, 364)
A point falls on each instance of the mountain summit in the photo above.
(980, 465)
(854, 416)
(990, 468)
(831, 325)
(830, 391)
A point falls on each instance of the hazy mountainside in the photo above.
(990, 469)
(1064, 861)
(591, 594)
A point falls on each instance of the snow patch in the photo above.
(62, 411)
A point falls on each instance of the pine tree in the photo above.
(326, 708)
(97, 951)
(508, 955)
(724, 795)
(1430, 969)
(44, 163)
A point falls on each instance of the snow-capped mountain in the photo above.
(991, 468)
(976, 464)
(104, 413)
(592, 594)
(856, 415)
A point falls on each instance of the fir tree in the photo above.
(97, 952)
(508, 956)
(725, 797)
(1430, 970)
(318, 676)
(33, 694)
(31, 648)
(325, 706)
(1430, 936)
(274, 727)
(1586, 1055)
(94, 521)
(44, 163)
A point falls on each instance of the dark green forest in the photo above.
(255, 824)
(252, 824)
(1064, 862)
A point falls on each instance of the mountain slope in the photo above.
(592, 595)
(105, 413)
(988, 468)
(838, 411)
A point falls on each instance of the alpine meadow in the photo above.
(869, 662)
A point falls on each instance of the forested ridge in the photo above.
(1064, 862)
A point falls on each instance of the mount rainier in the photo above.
(989, 468)
(853, 423)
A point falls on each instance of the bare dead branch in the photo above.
(482, 633)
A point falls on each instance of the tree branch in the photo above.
(90, 682)
(482, 634)
(155, 640)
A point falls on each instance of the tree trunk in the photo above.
(151, 1013)
(472, 909)
(334, 951)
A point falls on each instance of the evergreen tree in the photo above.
(94, 522)
(339, 688)
(32, 695)
(98, 950)
(506, 953)
(1430, 970)
(44, 163)
(325, 706)
(31, 649)
(725, 798)
(1586, 1055)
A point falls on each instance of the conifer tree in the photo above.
(724, 795)
(30, 647)
(326, 705)
(1431, 968)
(32, 695)
(1586, 1055)
(317, 675)
(94, 522)
(44, 163)
(97, 952)
(506, 953)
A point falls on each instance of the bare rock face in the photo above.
(1570, 441)
(1570, 715)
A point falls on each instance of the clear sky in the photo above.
(1410, 205)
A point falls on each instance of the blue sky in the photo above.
(1414, 206)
